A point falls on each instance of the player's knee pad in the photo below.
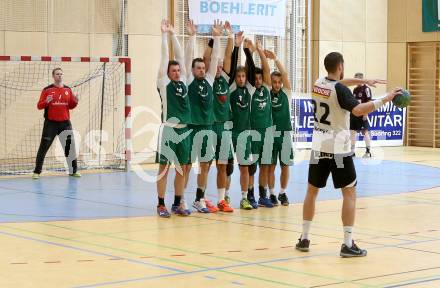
(252, 169)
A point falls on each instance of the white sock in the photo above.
(221, 194)
(282, 191)
(244, 194)
(272, 191)
(226, 192)
(348, 236)
(306, 229)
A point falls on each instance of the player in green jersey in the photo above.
(261, 122)
(222, 113)
(200, 91)
(176, 114)
(283, 149)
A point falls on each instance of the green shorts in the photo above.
(262, 149)
(223, 149)
(242, 147)
(174, 146)
(202, 143)
(283, 149)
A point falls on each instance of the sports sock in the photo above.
(177, 200)
(306, 229)
(221, 194)
(348, 236)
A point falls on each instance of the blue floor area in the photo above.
(112, 195)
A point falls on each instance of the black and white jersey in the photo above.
(332, 104)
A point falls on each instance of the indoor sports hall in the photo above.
(92, 220)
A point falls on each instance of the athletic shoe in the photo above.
(283, 199)
(251, 200)
(185, 206)
(200, 206)
(228, 199)
(76, 174)
(353, 251)
(367, 155)
(274, 200)
(303, 245)
(212, 208)
(245, 205)
(35, 176)
(265, 202)
(179, 210)
(163, 212)
(223, 206)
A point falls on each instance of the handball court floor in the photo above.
(101, 231)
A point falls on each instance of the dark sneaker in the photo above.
(265, 202)
(252, 201)
(274, 200)
(353, 251)
(180, 210)
(163, 212)
(303, 245)
(283, 199)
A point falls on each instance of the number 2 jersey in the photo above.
(332, 104)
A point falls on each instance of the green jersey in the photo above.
(281, 110)
(241, 107)
(201, 99)
(175, 101)
(222, 107)
(261, 109)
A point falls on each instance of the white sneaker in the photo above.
(367, 155)
(200, 206)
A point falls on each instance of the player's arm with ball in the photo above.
(365, 108)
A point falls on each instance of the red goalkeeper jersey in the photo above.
(62, 101)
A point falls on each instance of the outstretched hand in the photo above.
(373, 82)
(249, 44)
(191, 28)
(395, 92)
(259, 46)
(164, 26)
(217, 28)
(239, 37)
(270, 54)
(228, 28)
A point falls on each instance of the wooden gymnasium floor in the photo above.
(101, 231)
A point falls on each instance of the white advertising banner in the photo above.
(265, 17)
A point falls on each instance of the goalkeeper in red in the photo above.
(57, 100)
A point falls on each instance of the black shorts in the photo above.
(341, 167)
(358, 123)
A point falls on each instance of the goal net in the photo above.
(101, 121)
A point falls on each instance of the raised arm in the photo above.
(264, 64)
(178, 51)
(234, 57)
(249, 61)
(189, 49)
(164, 55)
(366, 108)
(217, 30)
(207, 53)
(228, 52)
(284, 76)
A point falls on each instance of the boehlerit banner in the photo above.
(264, 17)
(431, 15)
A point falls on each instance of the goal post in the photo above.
(101, 122)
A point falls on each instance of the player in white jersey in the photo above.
(331, 152)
